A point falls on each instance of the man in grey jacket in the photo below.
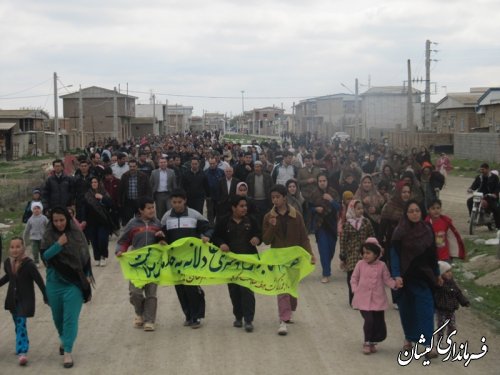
(162, 181)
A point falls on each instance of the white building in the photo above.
(386, 108)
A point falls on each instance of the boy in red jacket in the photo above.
(449, 243)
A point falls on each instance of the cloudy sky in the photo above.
(204, 53)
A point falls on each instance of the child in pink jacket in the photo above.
(367, 282)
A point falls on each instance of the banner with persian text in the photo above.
(189, 261)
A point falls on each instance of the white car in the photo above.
(342, 136)
(246, 148)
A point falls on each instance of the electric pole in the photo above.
(56, 117)
(80, 116)
(115, 115)
(409, 111)
(427, 104)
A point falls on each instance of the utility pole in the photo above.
(409, 111)
(242, 106)
(80, 117)
(115, 115)
(167, 122)
(356, 108)
(56, 117)
(154, 114)
(427, 104)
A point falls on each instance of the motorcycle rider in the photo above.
(488, 184)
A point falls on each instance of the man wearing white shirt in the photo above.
(121, 166)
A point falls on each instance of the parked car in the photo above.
(246, 148)
(341, 136)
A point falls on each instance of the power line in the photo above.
(25, 97)
(221, 97)
(24, 90)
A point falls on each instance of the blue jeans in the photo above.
(326, 247)
(416, 310)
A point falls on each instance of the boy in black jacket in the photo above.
(180, 222)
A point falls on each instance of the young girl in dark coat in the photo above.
(21, 273)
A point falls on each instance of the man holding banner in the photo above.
(180, 222)
(283, 226)
(240, 234)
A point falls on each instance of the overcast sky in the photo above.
(278, 52)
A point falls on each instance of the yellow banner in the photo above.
(189, 261)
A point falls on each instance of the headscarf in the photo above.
(393, 209)
(296, 200)
(73, 262)
(374, 198)
(240, 184)
(351, 214)
(329, 215)
(97, 205)
(416, 245)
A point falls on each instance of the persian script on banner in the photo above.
(189, 261)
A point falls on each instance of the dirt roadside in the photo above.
(326, 338)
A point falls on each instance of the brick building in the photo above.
(106, 114)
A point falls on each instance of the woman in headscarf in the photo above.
(415, 268)
(391, 214)
(325, 207)
(387, 175)
(372, 201)
(409, 178)
(98, 204)
(333, 172)
(65, 252)
(294, 196)
(242, 191)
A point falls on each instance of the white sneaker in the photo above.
(103, 262)
(97, 263)
(282, 330)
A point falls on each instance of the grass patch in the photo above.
(467, 168)
(13, 217)
(489, 306)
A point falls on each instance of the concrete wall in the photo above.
(401, 139)
(477, 146)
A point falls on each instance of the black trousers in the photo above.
(128, 211)
(374, 328)
(243, 301)
(196, 204)
(351, 294)
(192, 299)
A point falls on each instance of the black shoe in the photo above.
(68, 364)
(196, 323)
(238, 323)
(61, 350)
(248, 326)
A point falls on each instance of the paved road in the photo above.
(326, 338)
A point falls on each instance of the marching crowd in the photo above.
(381, 205)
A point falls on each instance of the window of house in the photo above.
(462, 125)
(26, 124)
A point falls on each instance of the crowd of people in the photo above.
(381, 205)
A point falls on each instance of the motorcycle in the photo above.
(480, 215)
